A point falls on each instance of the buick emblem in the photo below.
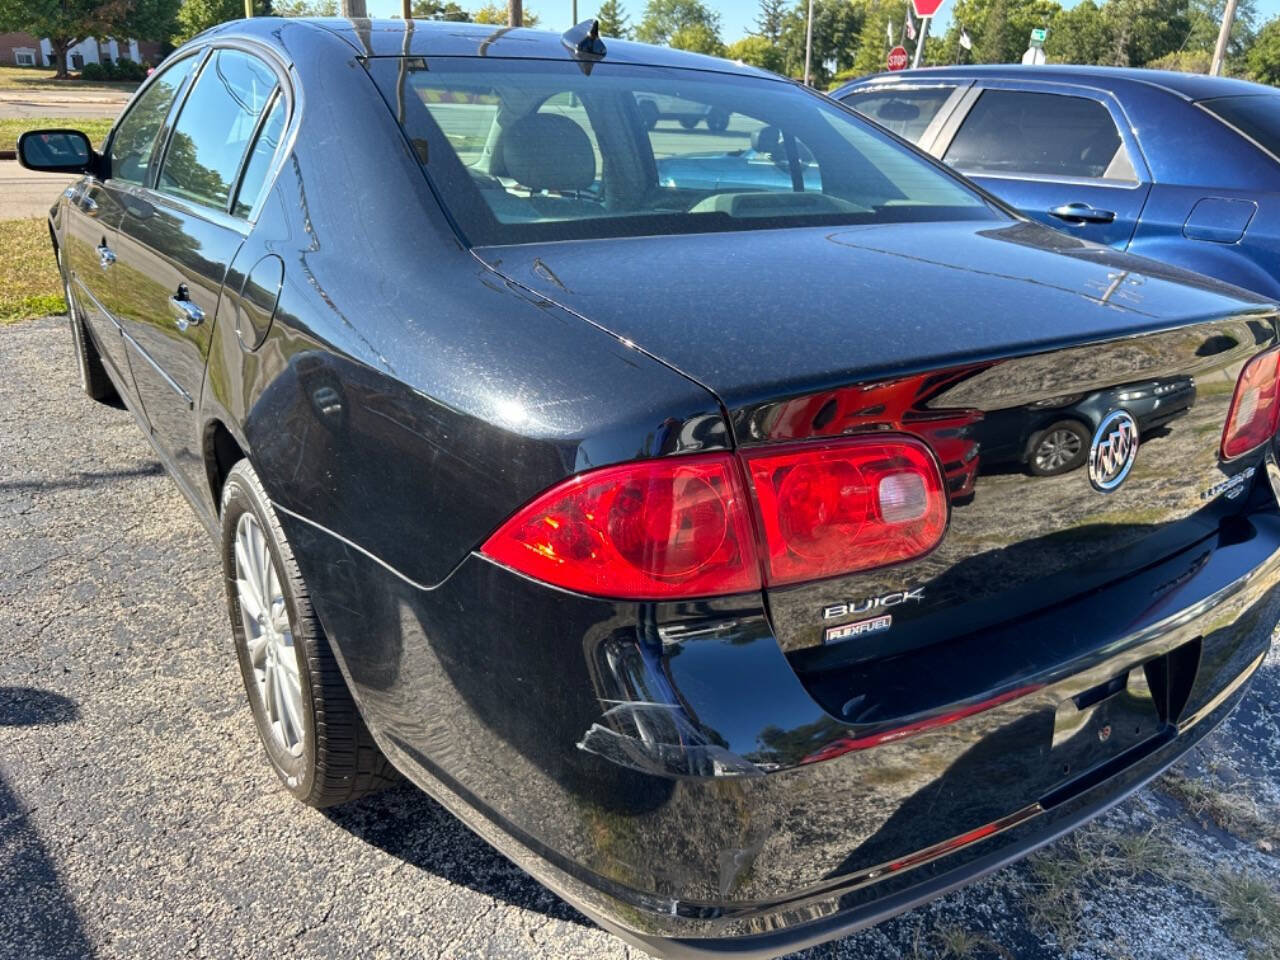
(1114, 448)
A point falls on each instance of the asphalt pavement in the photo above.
(25, 194)
(139, 819)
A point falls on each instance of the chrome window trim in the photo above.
(162, 135)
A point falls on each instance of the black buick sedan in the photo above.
(645, 523)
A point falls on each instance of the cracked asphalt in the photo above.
(138, 817)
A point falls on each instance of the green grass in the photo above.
(12, 127)
(29, 282)
(40, 78)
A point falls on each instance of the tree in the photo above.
(304, 8)
(873, 39)
(757, 51)
(196, 16)
(769, 23)
(837, 28)
(67, 22)
(697, 38)
(494, 13)
(437, 10)
(1263, 58)
(664, 18)
(1081, 34)
(613, 20)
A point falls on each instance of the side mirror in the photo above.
(55, 151)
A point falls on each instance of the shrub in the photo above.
(93, 71)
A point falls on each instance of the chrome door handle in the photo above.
(1081, 213)
(105, 257)
(185, 313)
(87, 204)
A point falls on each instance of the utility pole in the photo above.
(515, 13)
(574, 22)
(406, 9)
(248, 9)
(924, 35)
(1224, 37)
(354, 8)
(808, 46)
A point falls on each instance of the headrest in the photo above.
(766, 140)
(547, 151)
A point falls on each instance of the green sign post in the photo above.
(1038, 36)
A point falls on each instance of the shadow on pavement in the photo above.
(408, 824)
(84, 479)
(37, 918)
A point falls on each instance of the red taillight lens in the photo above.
(1254, 408)
(650, 530)
(843, 507)
(681, 526)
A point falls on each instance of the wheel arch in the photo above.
(223, 449)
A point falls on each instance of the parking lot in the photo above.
(139, 819)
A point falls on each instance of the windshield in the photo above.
(537, 150)
(1257, 117)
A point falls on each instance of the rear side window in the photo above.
(214, 128)
(259, 162)
(1043, 134)
(907, 113)
(135, 137)
(1257, 117)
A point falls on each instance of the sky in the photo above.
(737, 17)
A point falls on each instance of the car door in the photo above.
(178, 234)
(95, 210)
(1059, 153)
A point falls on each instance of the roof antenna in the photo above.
(584, 40)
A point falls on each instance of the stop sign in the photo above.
(898, 58)
(925, 8)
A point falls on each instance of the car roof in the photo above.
(442, 38)
(1189, 86)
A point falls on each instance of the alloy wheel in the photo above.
(1057, 449)
(269, 635)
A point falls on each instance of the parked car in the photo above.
(1177, 166)
(611, 512)
(1053, 435)
(687, 113)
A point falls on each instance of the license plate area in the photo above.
(1100, 723)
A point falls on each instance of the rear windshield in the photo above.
(535, 150)
(1257, 117)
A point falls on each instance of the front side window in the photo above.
(134, 141)
(531, 150)
(907, 112)
(1011, 132)
(214, 128)
(1257, 117)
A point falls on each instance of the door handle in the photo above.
(105, 256)
(1081, 213)
(87, 204)
(185, 312)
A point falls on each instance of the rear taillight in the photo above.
(682, 526)
(649, 530)
(847, 506)
(1255, 408)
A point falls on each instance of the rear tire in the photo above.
(1059, 448)
(94, 380)
(314, 736)
(718, 120)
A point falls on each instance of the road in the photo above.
(62, 103)
(138, 817)
(25, 194)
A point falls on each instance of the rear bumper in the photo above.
(664, 770)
